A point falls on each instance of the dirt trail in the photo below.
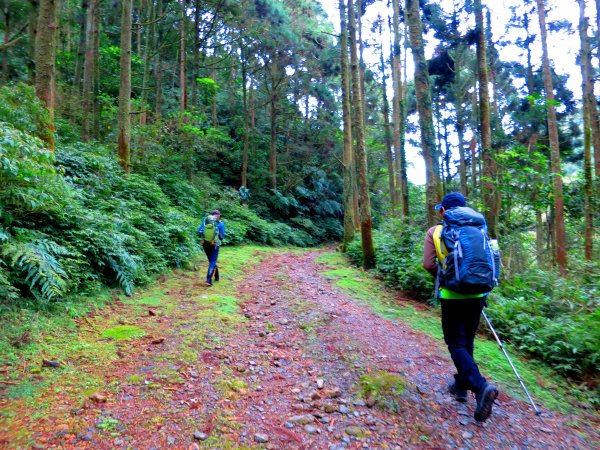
(288, 379)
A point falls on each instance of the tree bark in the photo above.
(386, 125)
(366, 225)
(349, 227)
(273, 144)
(88, 70)
(6, 39)
(45, 56)
(196, 55)
(491, 206)
(424, 107)
(182, 74)
(125, 88)
(555, 163)
(399, 114)
(590, 115)
(84, 33)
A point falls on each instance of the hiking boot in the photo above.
(459, 394)
(485, 400)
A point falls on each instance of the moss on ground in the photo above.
(361, 286)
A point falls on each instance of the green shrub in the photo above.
(399, 258)
(554, 318)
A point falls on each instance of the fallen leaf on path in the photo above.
(159, 340)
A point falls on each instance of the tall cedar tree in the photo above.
(590, 115)
(424, 107)
(347, 119)
(386, 121)
(491, 206)
(45, 66)
(366, 225)
(559, 216)
(125, 87)
(398, 107)
(90, 57)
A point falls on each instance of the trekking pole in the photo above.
(537, 411)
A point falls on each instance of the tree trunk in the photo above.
(491, 207)
(88, 70)
(182, 74)
(246, 120)
(196, 59)
(424, 107)
(84, 34)
(349, 227)
(96, 74)
(33, 20)
(125, 88)
(6, 39)
(149, 40)
(559, 220)
(366, 225)
(386, 124)
(590, 115)
(45, 55)
(273, 145)
(397, 102)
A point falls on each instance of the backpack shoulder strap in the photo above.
(440, 247)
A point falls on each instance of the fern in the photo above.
(36, 261)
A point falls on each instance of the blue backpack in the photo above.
(468, 263)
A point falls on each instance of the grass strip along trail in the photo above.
(292, 349)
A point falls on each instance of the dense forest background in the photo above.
(122, 121)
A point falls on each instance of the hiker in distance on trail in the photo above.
(212, 232)
(465, 262)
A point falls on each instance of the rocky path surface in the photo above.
(289, 377)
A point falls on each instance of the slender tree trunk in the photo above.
(96, 74)
(349, 226)
(6, 39)
(246, 119)
(424, 107)
(213, 105)
(589, 111)
(84, 33)
(88, 70)
(45, 55)
(149, 40)
(33, 20)
(386, 122)
(491, 208)
(397, 102)
(158, 71)
(182, 74)
(125, 88)
(196, 58)
(273, 145)
(559, 220)
(366, 225)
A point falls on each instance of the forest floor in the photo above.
(292, 349)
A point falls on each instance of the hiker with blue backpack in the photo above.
(212, 232)
(465, 262)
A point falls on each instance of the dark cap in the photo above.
(215, 212)
(452, 200)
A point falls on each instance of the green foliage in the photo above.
(554, 318)
(399, 254)
(21, 108)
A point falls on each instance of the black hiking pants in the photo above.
(460, 319)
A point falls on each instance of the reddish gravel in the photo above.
(301, 353)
